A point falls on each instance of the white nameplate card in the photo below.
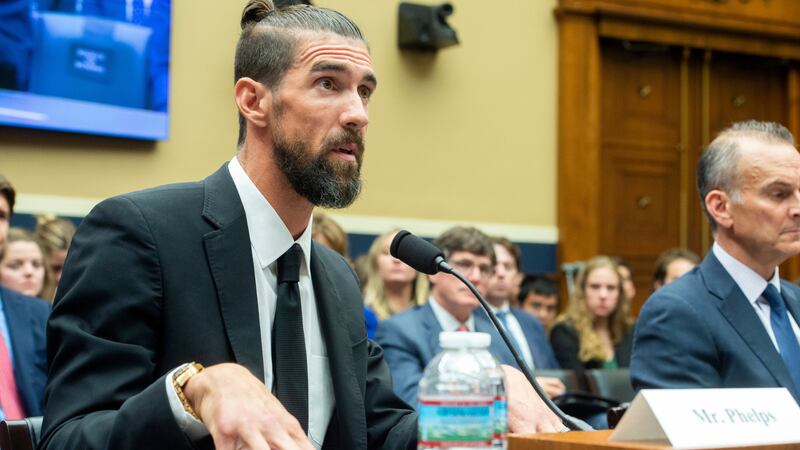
(711, 418)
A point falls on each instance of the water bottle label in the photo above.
(500, 417)
(463, 423)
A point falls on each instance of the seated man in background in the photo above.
(23, 371)
(673, 264)
(732, 322)
(410, 339)
(524, 330)
(539, 296)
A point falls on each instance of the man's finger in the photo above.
(252, 439)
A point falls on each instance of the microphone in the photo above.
(427, 258)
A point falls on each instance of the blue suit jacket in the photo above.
(410, 340)
(701, 332)
(26, 318)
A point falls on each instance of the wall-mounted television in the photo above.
(86, 66)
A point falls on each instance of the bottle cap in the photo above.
(480, 340)
(463, 339)
(454, 339)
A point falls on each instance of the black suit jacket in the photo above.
(26, 318)
(165, 276)
(566, 345)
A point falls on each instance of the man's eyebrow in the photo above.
(777, 184)
(328, 66)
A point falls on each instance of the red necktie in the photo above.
(9, 397)
(463, 327)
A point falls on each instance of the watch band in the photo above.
(179, 380)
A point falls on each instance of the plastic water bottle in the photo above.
(456, 397)
(480, 346)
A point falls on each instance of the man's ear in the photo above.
(718, 204)
(253, 100)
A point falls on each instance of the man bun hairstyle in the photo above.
(267, 44)
(254, 11)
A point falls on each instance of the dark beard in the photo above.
(322, 179)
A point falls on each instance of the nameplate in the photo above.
(709, 418)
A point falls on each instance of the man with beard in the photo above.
(202, 315)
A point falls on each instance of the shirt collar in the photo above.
(446, 320)
(269, 236)
(506, 308)
(751, 284)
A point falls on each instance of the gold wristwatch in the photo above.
(179, 380)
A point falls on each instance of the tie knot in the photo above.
(774, 298)
(289, 265)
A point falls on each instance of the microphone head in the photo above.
(416, 252)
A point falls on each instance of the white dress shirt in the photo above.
(269, 239)
(516, 331)
(446, 320)
(752, 286)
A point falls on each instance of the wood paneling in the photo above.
(589, 440)
(672, 74)
(578, 143)
(767, 18)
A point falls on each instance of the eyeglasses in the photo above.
(466, 266)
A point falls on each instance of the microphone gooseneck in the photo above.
(427, 258)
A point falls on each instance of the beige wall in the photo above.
(468, 134)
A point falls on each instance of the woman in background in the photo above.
(327, 232)
(22, 265)
(596, 332)
(391, 286)
(54, 235)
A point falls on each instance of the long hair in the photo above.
(374, 293)
(579, 315)
(23, 235)
(52, 233)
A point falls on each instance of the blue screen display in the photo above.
(86, 66)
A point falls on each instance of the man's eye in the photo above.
(326, 83)
(365, 92)
(780, 194)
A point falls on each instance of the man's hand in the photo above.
(552, 386)
(240, 413)
(527, 413)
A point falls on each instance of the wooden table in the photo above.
(587, 440)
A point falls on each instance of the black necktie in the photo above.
(288, 340)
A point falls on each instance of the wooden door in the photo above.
(660, 107)
(633, 118)
(640, 144)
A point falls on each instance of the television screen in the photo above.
(86, 66)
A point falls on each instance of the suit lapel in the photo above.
(740, 314)
(231, 262)
(21, 343)
(792, 302)
(432, 328)
(497, 346)
(334, 320)
(538, 358)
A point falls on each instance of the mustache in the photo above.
(346, 137)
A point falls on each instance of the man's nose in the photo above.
(355, 114)
(794, 207)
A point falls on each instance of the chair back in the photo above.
(21, 434)
(611, 383)
(91, 59)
